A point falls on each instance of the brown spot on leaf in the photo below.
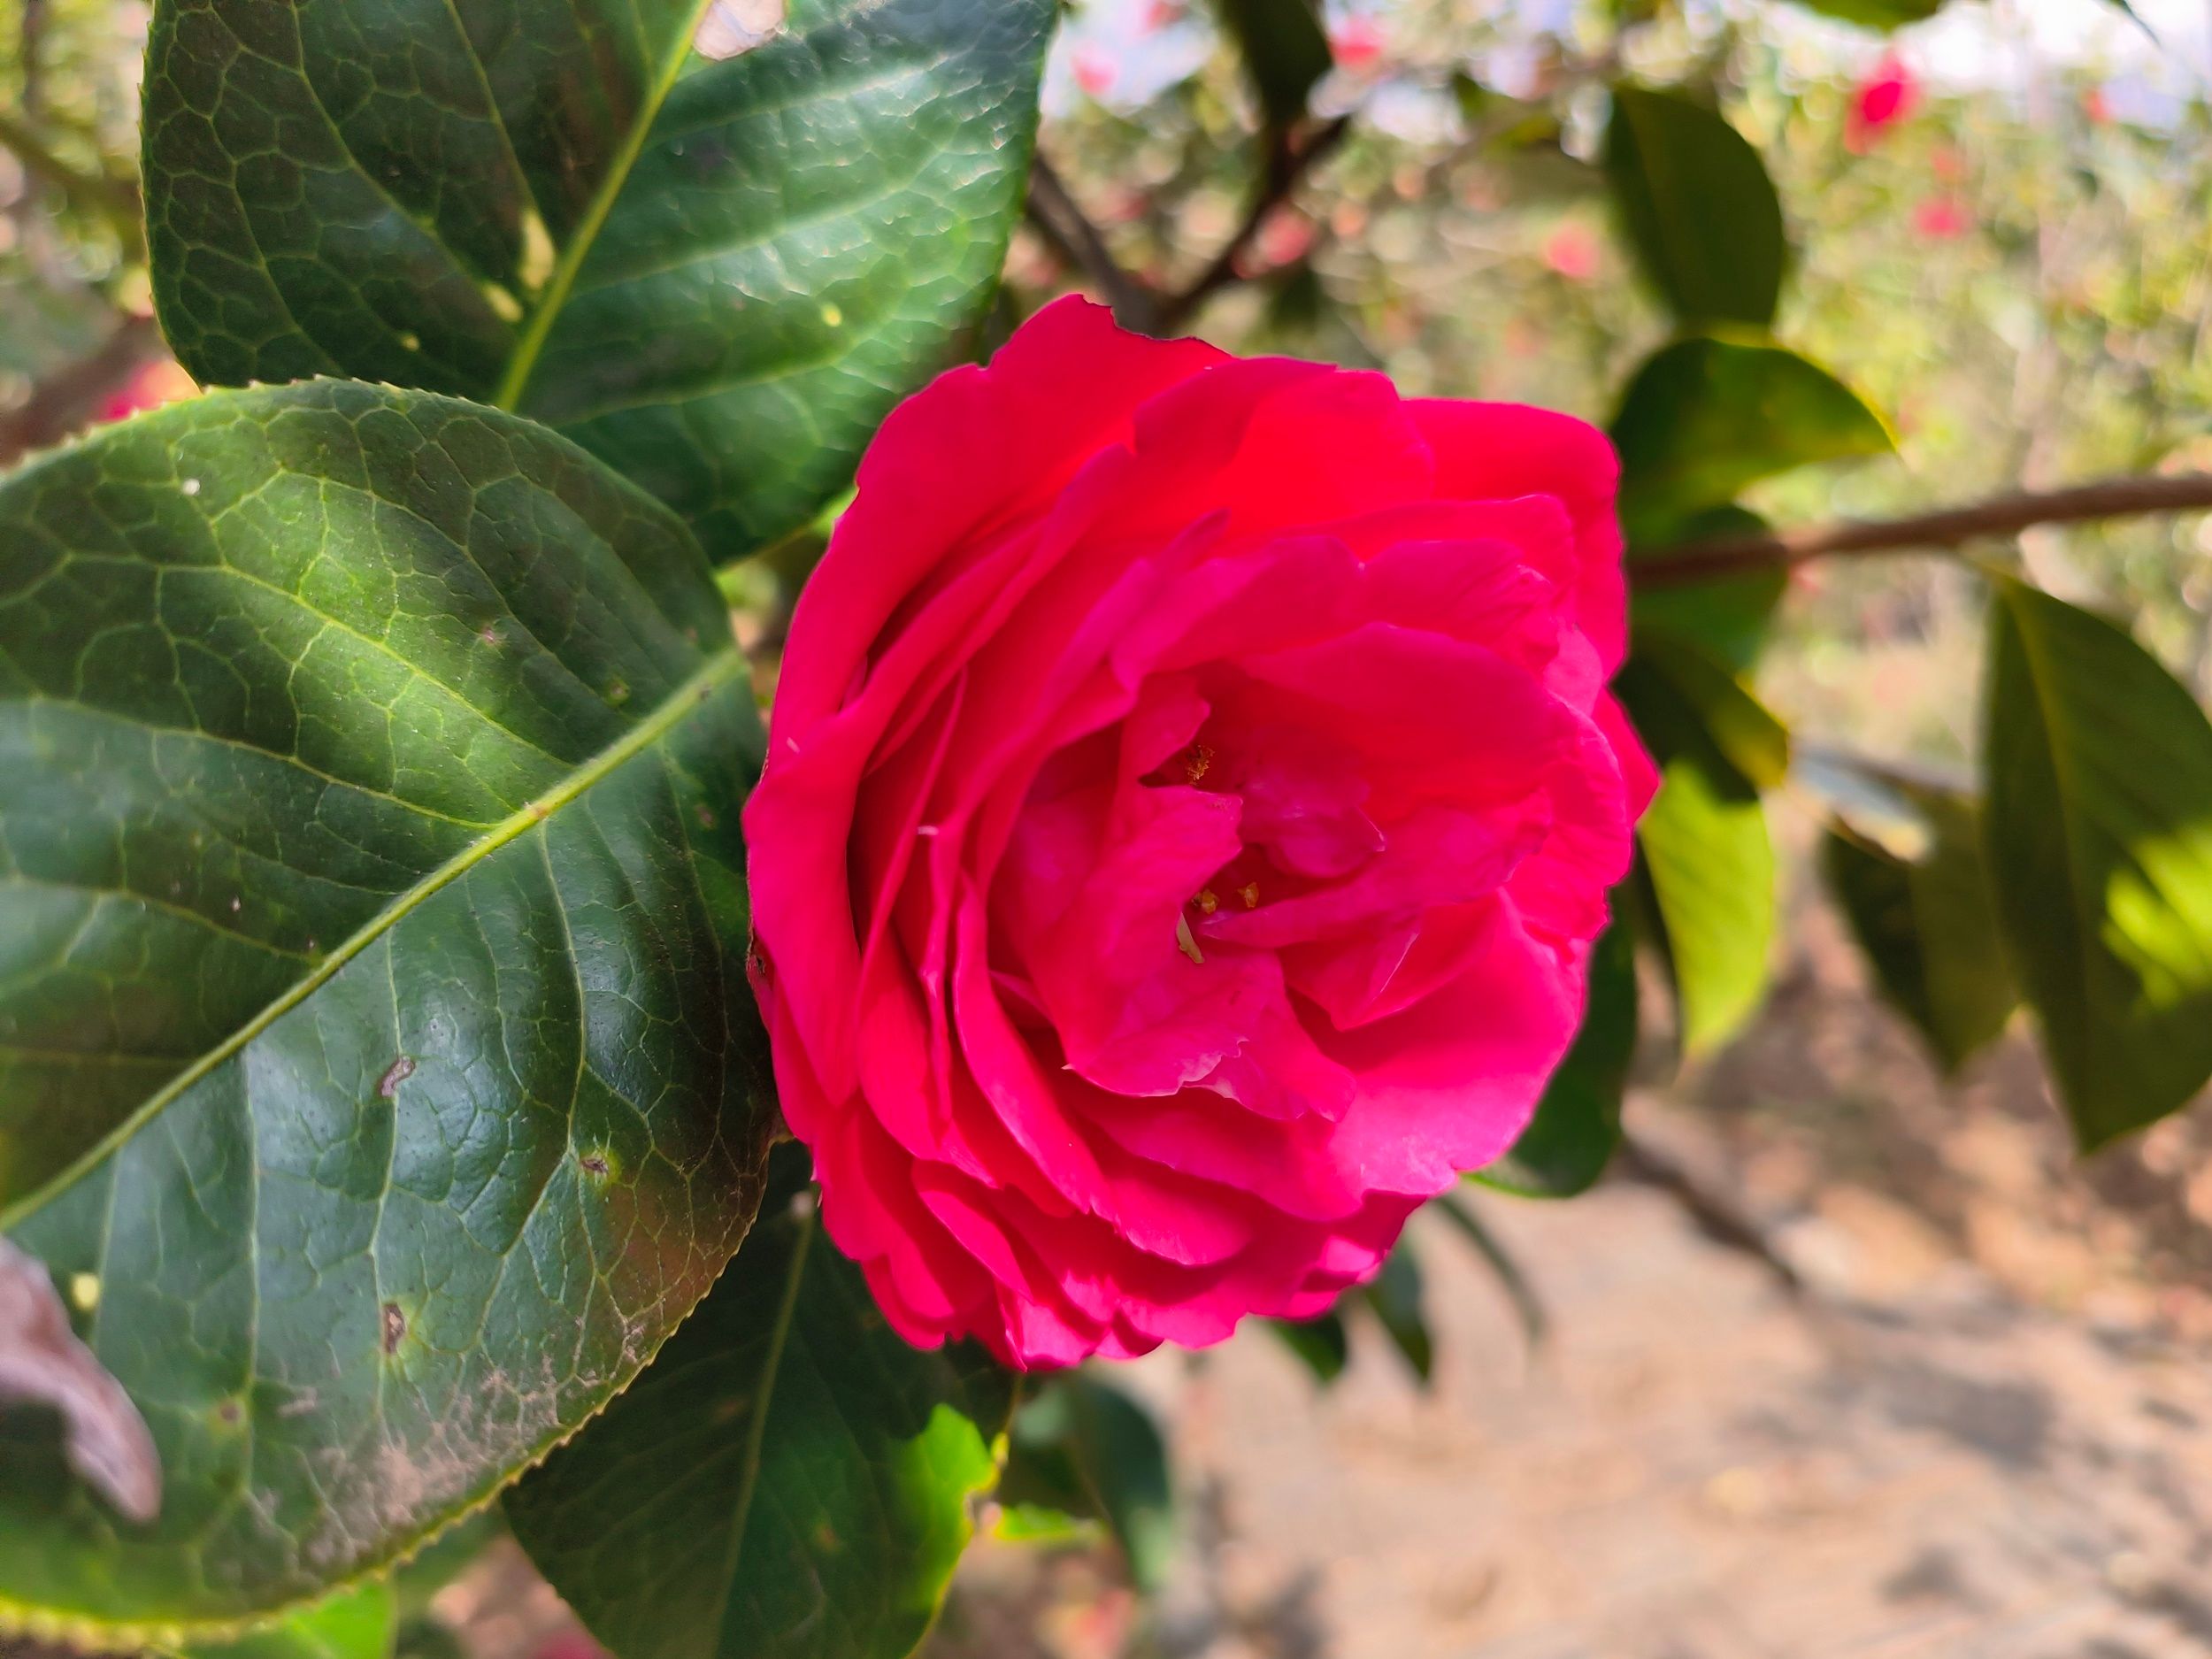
(592, 1164)
(395, 1327)
(394, 1074)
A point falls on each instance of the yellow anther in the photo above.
(1196, 763)
(1206, 901)
(1250, 893)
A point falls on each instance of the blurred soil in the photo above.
(1983, 1431)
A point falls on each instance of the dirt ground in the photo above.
(1982, 1430)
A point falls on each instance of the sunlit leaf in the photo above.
(358, 1624)
(2099, 828)
(1705, 418)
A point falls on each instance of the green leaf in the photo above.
(1283, 51)
(1927, 923)
(1705, 850)
(1728, 615)
(1877, 14)
(2099, 828)
(1083, 1446)
(1321, 1343)
(718, 276)
(357, 1624)
(1705, 418)
(378, 1072)
(1577, 1123)
(1698, 208)
(1395, 1297)
(790, 1477)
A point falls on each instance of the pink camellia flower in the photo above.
(1192, 794)
(1941, 218)
(1356, 42)
(1884, 98)
(1572, 250)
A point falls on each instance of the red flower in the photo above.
(1192, 793)
(1356, 43)
(1942, 218)
(1885, 97)
(1573, 252)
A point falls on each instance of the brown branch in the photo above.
(1928, 533)
(1286, 171)
(1072, 236)
(1714, 1214)
(67, 401)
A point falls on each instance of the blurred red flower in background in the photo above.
(1883, 99)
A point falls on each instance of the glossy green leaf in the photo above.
(1729, 617)
(1705, 418)
(1700, 211)
(1927, 924)
(2098, 822)
(719, 276)
(789, 1479)
(1577, 1123)
(1284, 50)
(1321, 1344)
(1396, 1296)
(356, 1623)
(1084, 1446)
(378, 1072)
(1704, 843)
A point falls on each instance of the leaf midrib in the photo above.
(718, 672)
(524, 360)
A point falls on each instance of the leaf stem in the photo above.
(1941, 531)
(555, 295)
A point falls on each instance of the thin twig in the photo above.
(114, 199)
(1713, 1214)
(1075, 239)
(1284, 175)
(1932, 532)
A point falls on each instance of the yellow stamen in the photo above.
(1250, 893)
(1184, 943)
(1206, 901)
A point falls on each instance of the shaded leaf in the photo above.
(1728, 615)
(789, 1478)
(1395, 1296)
(1284, 50)
(1927, 924)
(719, 276)
(1084, 1446)
(42, 1362)
(1321, 1343)
(2098, 825)
(1577, 1123)
(1698, 208)
(376, 1048)
(1705, 418)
